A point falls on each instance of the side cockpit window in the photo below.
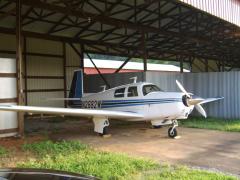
(150, 88)
(132, 91)
(119, 93)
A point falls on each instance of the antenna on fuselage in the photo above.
(134, 79)
(104, 88)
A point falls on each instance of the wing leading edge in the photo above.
(71, 112)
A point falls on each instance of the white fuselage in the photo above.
(156, 105)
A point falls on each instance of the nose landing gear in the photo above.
(172, 131)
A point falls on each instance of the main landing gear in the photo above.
(105, 131)
(101, 125)
(172, 131)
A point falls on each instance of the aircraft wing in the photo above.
(211, 99)
(71, 112)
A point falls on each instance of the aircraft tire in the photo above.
(105, 131)
(172, 134)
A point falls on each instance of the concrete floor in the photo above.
(197, 147)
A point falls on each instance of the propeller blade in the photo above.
(211, 100)
(195, 101)
(200, 109)
(182, 88)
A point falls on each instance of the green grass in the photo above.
(3, 152)
(75, 157)
(212, 123)
(184, 173)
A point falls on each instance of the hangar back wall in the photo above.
(211, 84)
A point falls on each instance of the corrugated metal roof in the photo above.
(171, 30)
(228, 10)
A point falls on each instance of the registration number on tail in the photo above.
(91, 104)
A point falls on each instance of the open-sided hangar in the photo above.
(48, 39)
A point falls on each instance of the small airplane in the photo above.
(137, 101)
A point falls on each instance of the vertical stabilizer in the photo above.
(76, 90)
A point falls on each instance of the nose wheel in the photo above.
(172, 131)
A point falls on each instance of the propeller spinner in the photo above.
(189, 101)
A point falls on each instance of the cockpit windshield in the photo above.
(150, 88)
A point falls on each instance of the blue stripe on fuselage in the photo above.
(136, 102)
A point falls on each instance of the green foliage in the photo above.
(3, 152)
(184, 173)
(75, 157)
(49, 147)
(212, 123)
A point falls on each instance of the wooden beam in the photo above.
(32, 54)
(2, 16)
(6, 131)
(82, 58)
(44, 77)
(206, 65)
(123, 64)
(19, 59)
(144, 52)
(107, 44)
(99, 72)
(25, 69)
(110, 21)
(45, 90)
(57, 24)
(8, 100)
(181, 64)
(75, 49)
(14, 75)
(64, 72)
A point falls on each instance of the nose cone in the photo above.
(191, 101)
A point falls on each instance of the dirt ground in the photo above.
(209, 149)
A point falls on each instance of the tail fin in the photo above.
(76, 90)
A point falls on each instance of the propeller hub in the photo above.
(190, 101)
(185, 99)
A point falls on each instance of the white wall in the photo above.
(43, 66)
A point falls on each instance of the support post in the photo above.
(82, 58)
(64, 72)
(25, 70)
(219, 65)
(19, 67)
(144, 52)
(191, 59)
(206, 65)
(223, 66)
(181, 64)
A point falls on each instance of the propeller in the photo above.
(200, 109)
(189, 101)
(182, 88)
